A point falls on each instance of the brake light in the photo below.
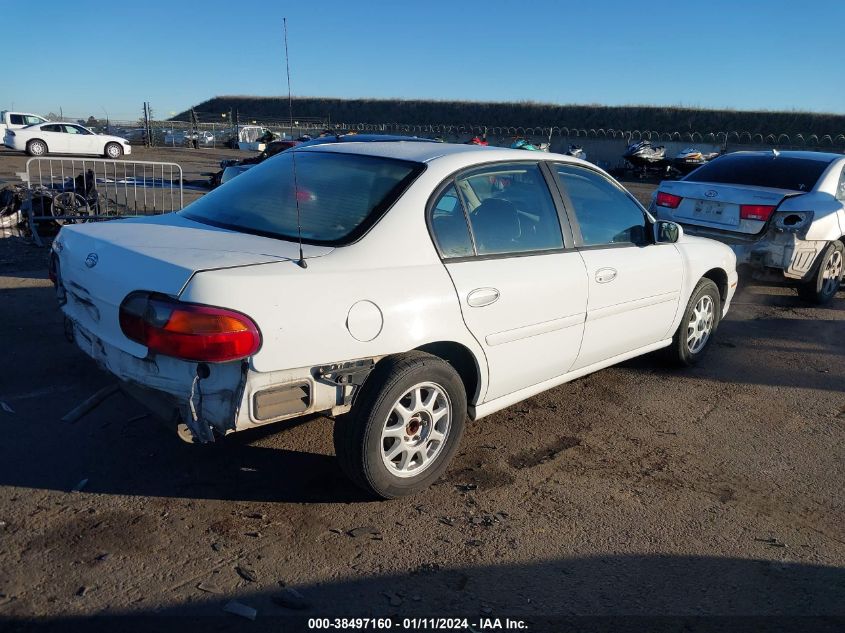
(756, 211)
(10, 133)
(187, 330)
(668, 200)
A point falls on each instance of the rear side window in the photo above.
(779, 172)
(510, 209)
(340, 196)
(605, 213)
(16, 119)
(52, 128)
(449, 225)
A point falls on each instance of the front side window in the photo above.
(76, 129)
(339, 196)
(449, 225)
(605, 213)
(510, 209)
(33, 120)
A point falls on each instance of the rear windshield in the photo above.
(340, 196)
(779, 172)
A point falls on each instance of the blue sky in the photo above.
(744, 54)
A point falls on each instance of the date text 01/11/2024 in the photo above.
(414, 624)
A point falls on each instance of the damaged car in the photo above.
(783, 214)
(403, 288)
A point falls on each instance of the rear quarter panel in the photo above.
(303, 314)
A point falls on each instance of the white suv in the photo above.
(402, 287)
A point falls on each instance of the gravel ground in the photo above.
(637, 490)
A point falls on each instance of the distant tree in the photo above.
(91, 122)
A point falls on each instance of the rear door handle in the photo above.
(605, 275)
(481, 297)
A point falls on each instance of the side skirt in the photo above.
(481, 410)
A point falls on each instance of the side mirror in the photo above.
(667, 232)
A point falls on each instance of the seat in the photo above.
(496, 226)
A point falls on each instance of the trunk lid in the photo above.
(100, 263)
(717, 205)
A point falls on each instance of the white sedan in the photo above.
(65, 138)
(401, 287)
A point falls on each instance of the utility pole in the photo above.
(195, 130)
(146, 126)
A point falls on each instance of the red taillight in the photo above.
(756, 211)
(187, 330)
(668, 200)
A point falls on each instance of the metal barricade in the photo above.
(73, 190)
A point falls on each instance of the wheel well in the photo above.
(720, 278)
(461, 359)
(32, 140)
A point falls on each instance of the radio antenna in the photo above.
(301, 263)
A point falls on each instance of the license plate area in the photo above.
(712, 211)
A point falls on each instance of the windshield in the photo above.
(340, 196)
(778, 172)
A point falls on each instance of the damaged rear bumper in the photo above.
(217, 399)
(777, 255)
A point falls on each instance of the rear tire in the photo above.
(701, 319)
(828, 278)
(36, 147)
(113, 151)
(405, 425)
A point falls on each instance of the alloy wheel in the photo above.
(832, 273)
(416, 429)
(700, 325)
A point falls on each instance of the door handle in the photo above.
(481, 297)
(605, 275)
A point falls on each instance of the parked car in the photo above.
(783, 214)
(65, 138)
(202, 138)
(14, 120)
(231, 167)
(400, 287)
(174, 137)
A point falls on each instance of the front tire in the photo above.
(828, 278)
(113, 151)
(701, 318)
(404, 427)
(36, 148)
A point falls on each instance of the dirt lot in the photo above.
(638, 490)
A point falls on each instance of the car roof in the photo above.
(426, 151)
(825, 157)
(363, 138)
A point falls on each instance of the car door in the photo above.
(55, 137)
(521, 287)
(80, 140)
(634, 284)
